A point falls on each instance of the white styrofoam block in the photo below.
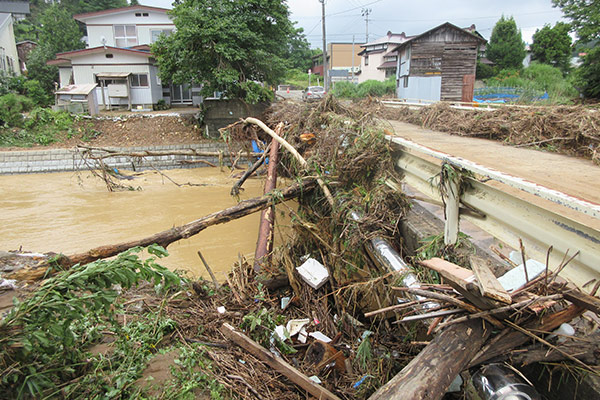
(313, 273)
(515, 278)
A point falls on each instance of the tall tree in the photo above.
(299, 50)
(506, 47)
(585, 20)
(58, 33)
(552, 45)
(227, 45)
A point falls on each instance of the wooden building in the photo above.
(438, 64)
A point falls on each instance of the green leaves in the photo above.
(506, 47)
(226, 44)
(49, 329)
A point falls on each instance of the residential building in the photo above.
(18, 9)
(119, 61)
(9, 59)
(342, 60)
(379, 58)
(438, 64)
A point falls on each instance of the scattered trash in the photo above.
(563, 330)
(515, 278)
(285, 301)
(295, 326)
(7, 284)
(315, 379)
(221, 310)
(456, 384)
(302, 336)
(281, 333)
(496, 381)
(357, 384)
(313, 273)
(320, 336)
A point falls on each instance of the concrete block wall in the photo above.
(60, 160)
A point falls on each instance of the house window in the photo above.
(139, 80)
(109, 55)
(125, 36)
(405, 81)
(366, 60)
(141, 14)
(156, 33)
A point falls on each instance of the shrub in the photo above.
(376, 88)
(537, 78)
(11, 83)
(12, 107)
(347, 90)
(35, 91)
(484, 71)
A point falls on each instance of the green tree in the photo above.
(552, 45)
(85, 6)
(299, 51)
(227, 45)
(506, 47)
(585, 20)
(58, 33)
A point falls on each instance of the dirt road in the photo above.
(576, 177)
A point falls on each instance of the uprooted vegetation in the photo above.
(571, 130)
(79, 336)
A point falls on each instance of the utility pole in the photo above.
(353, 58)
(365, 13)
(325, 80)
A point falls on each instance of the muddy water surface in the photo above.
(70, 213)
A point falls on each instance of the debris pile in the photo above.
(338, 310)
(571, 130)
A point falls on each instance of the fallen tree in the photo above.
(174, 234)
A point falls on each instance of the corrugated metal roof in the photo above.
(77, 89)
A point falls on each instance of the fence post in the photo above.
(452, 200)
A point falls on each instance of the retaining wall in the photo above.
(59, 160)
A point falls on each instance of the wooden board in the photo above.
(487, 282)
(461, 279)
(277, 363)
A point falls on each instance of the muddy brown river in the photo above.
(69, 213)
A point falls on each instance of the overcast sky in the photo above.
(344, 19)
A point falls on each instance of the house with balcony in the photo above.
(119, 61)
(379, 58)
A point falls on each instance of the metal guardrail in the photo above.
(508, 217)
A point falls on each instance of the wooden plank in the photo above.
(276, 363)
(583, 300)
(487, 282)
(461, 279)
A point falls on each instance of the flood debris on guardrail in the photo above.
(367, 329)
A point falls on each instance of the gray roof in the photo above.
(14, 7)
(3, 18)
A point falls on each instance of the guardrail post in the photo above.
(452, 201)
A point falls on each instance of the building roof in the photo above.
(26, 41)
(4, 18)
(392, 38)
(77, 89)
(86, 16)
(14, 7)
(388, 65)
(62, 58)
(446, 24)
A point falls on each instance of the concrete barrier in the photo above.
(60, 160)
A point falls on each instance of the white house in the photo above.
(378, 58)
(9, 58)
(119, 60)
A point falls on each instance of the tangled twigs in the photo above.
(294, 152)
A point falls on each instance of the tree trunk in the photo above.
(169, 236)
(430, 373)
(264, 244)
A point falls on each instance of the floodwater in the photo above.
(73, 212)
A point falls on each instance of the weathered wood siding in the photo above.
(447, 52)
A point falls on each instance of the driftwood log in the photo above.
(430, 373)
(235, 189)
(264, 244)
(174, 234)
